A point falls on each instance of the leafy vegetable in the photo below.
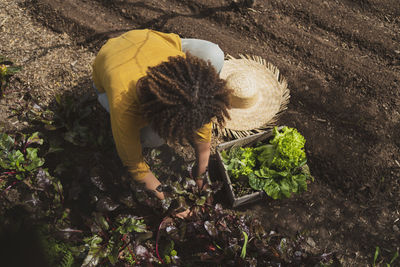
(16, 157)
(241, 161)
(279, 168)
(108, 243)
(288, 146)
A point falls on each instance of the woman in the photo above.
(157, 86)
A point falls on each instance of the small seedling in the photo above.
(7, 69)
(69, 116)
(377, 264)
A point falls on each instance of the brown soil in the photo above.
(342, 62)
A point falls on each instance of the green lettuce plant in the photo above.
(242, 160)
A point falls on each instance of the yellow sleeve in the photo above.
(127, 140)
(203, 135)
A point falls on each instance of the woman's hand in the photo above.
(152, 183)
(200, 167)
(184, 214)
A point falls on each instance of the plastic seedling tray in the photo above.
(242, 142)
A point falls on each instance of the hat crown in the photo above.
(244, 90)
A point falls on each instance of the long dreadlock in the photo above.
(181, 95)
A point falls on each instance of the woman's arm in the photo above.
(202, 151)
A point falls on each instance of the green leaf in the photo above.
(130, 224)
(101, 221)
(35, 139)
(306, 171)
(31, 153)
(289, 146)
(16, 159)
(6, 142)
(12, 70)
(35, 160)
(94, 254)
(376, 256)
(112, 251)
(285, 188)
(201, 201)
(255, 182)
(4, 163)
(396, 255)
(239, 161)
(266, 154)
(167, 259)
(58, 99)
(246, 238)
(272, 189)
(301, 181)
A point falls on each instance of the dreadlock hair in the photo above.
(181, 95)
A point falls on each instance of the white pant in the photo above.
(205, 50)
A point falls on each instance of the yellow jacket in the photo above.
(120, 63)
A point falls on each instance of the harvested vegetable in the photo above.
(279, 167)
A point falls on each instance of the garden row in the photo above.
(53, 183)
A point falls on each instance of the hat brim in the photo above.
(272, 99)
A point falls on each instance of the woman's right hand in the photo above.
(151, 183)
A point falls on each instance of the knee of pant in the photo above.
(217, 58)
(103, 100)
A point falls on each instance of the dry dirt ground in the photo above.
(341, 59)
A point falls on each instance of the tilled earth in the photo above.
(342, 63)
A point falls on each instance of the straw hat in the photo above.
(259, 95)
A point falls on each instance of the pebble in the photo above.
(311, 242)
